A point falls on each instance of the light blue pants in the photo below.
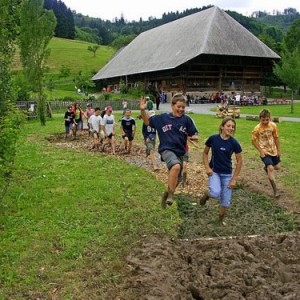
(218, 188)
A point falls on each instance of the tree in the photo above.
(93, 49)
(289, 71)
(8, 32)
(292, 38)
(65, 26)
(36, 30)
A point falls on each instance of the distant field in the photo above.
(74, 55)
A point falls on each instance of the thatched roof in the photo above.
(211, 31)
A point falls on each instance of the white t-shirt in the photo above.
(109, 122)
(95, 122)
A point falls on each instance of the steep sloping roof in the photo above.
(211, 31)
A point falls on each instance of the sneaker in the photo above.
(164, 200)
(204, 198)
(169, 201)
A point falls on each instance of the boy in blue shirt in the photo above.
(128, 128)
(173, 130)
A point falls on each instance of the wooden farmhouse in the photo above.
(206, 51)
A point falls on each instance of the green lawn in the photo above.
(70, 216)
(283, 110)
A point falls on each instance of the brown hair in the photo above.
(265, 113)
(178, 97)
(225, 120)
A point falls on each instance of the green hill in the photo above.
(74, 55)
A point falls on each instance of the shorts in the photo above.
(171, 159)
(129, 135)
(271, 160)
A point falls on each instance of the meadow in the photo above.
(70, 216)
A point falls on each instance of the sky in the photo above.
(136, 9)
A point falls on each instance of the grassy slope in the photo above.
(74, 55)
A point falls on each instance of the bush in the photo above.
(10, 124)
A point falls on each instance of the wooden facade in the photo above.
(205, 51)
(206, 73)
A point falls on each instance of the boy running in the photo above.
(173, 130)
(95, 122)
(108, 127)
(128, 128)
(266, 140)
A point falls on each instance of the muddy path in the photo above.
(208, 262)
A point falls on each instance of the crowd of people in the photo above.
(233, 98)
(175, 130)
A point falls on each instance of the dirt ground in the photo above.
(245, 267)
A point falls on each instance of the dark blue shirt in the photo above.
(127, 124)
(222, 151)
(148, 132)
(173, 132)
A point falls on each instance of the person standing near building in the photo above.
(157, 99)
(221, 181)
(173, 130)
(265, 139)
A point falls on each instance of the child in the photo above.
(79, 113)
(70, 122)
(149, 134)
(95, 122)
(128, 128)
(266, 140)
(219, 169)
(108, 127)
(173, 130)
(88, 113)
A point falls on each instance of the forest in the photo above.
(270, 28)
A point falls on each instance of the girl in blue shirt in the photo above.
(219, 168)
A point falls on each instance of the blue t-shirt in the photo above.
(127, 124)
(173, 132)
(149, 132)
(222, 151)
